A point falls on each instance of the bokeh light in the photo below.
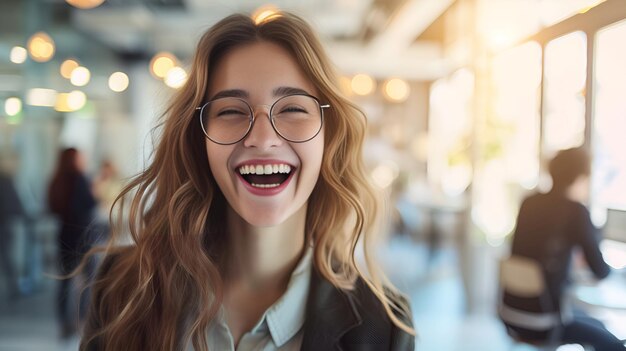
(176, 78)
(362, 84)
(118, 82)
(13, 106)
(385, 173)
(76, 99)
(41, 97)
(85, 4)
(18, 54)
(41, 47)
(80, 76)
(396, 90)
(161, 63)
(61, 104)
(67, 67)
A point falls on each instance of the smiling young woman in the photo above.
(245, 226)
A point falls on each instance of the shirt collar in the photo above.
(286, 316)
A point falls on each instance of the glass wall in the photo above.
(609, 126)
(565, 75)
(509, 151)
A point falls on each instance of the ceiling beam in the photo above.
(406, 24)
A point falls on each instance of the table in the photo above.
(604, 300)
(608, 293)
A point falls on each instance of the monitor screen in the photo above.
(615, 227)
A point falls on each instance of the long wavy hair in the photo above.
(163, 291)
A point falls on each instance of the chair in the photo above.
(522, 277)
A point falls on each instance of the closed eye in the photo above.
(231, 113)
(293, 109)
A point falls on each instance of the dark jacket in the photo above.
(349, 321)
(75, 218)
(549, 228)
(335, 320)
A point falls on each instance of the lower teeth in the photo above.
(264, 185)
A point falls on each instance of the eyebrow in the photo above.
(242, 94)
(282, 91)
(238, 93)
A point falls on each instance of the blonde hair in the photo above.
(164, 291)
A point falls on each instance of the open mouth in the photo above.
(266, 176)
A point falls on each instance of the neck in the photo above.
(577, 191)
(263, 257)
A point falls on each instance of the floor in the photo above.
(434, 287)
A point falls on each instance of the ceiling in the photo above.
(378, 37)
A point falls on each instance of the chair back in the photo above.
(522, 276)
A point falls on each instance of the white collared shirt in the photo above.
(280, 327)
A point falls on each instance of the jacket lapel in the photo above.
(330, 314)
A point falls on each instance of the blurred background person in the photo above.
(549, 227)
(106, 186)
(70, 198)
(10, 209)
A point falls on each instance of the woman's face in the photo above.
(261, 73)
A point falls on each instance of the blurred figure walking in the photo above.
(71, 199)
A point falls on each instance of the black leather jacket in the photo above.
(336, 320)
(349, 321)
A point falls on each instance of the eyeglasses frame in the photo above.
(269, 115)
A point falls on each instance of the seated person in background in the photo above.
(549, 227)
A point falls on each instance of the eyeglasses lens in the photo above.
(296, 118)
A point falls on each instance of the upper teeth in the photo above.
(265, 169)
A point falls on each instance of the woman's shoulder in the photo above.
(355, 317)
(372, 310)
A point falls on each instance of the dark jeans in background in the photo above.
(583, 330)
(70, 312)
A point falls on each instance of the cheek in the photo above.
(217, 160)
(315, 154)
(210, 157)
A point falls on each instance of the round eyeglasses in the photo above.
(296, 118)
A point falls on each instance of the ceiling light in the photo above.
(69, 102)
(41, 97)
(396, 90)
(61, 104)
(41, 47)
(161, 63)
(85, 4)
(362, 84)
(345, 85)
(118, 82)
(176, 78)
(76, 99)
(80, 76)
(67, 67)
(13, 106)
(18, 54)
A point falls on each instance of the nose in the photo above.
(262, 135)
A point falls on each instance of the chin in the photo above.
(264, 218)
